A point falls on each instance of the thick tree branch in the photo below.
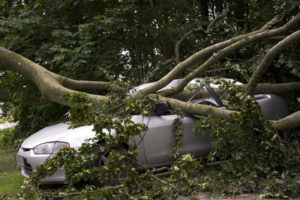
(288, 123)
(193, 59)
(227, 50)
(81, 84)
(262, 88)
(277, 88)
(277, 18)
(46, 81)
(197, 109)
(272, 22)
(268, 59)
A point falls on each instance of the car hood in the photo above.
(60, 132)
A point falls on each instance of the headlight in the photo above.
(50, 147)
(58, 146)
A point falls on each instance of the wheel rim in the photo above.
(103, 157)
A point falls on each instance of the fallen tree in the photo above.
(53, 86)
(248, 153)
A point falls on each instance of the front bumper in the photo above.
(27, 162)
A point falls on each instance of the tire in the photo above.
(101, 160)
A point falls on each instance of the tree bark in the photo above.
(288, 123)
(48, 83)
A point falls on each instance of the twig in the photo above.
(60, 196)
(215, 20)
(157, 170)
(145, 191)
(164, 174)
(163, 182)
(215, 163)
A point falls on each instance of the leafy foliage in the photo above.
(257, 158)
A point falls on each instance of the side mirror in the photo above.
(162, 108)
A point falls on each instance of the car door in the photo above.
(158, 141)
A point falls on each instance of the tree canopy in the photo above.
(61, 48)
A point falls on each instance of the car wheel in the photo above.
(101, 160)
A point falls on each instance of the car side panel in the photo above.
(200, 144)
(272, 106)
(159, 139)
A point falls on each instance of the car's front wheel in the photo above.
(101, 160)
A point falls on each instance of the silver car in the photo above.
(154, 145)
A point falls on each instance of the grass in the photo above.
(10, 182)
(10, 177)
(7, 161)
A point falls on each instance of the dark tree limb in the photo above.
(277, 88)
(158, 17)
